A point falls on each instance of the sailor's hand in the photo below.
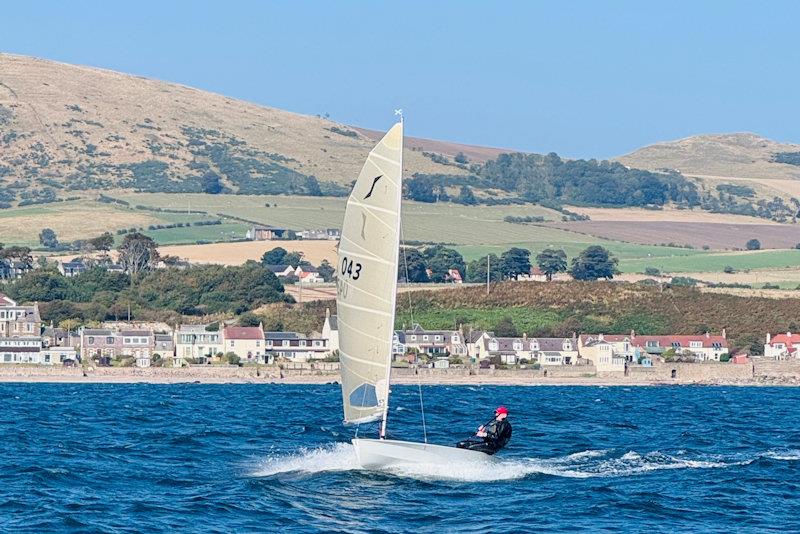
(481, 433)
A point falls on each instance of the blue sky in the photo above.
(584, 79)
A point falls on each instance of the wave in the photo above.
(592, 463)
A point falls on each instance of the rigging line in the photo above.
(411, 314)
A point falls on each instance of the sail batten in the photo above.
(367, 280)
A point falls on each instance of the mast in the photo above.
(394, 292)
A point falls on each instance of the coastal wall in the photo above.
(750, 373)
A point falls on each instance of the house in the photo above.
(398, 344)
(473, 341)
(296, 347)
(138, 344)
(454, 276)
(308, 274)
(21, 349)
(325, 233)
(115, 268)
(782, 346)
(247, 342)
(435, 341)
(195, 342)
(72, 268)
(703, 347)
(57, 355)
(265, 233)
(16, 320)
(542, 350)
(330, 331)
(164, 345)
(281, 270)
(607, 355)
(98, 344)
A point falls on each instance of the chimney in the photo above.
(769, 337)
(724, 334)
(600, 337)
(327, 313)
(633, 334)
(708, 334)
(788, 334)
(524, 336)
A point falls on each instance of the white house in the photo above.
(782, 346)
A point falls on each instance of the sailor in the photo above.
(494, 435)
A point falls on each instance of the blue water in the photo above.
(244, 458)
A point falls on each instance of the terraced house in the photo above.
(435, 342)
(196, 342)
(512, 350)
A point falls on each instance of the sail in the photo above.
(367, 280)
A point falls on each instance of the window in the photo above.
(424, 338)
(413, 338)
(302, 342)
(696, 344)
(456, 338)
(652, 344)
(567, 345)
(718, 345)
(437, 338)
(231, 342)
(676, 344)
(258, 343)
(91, 340)
(109, 340)
(269, 343)
(285, 343)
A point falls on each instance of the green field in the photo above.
(716, 262)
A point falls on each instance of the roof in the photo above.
(6, 301)
(97, 332)
(787, 339)
(282, 335)
(278, 268)
(195, 329)
(552, 343)
(243, 332)
(134, 332)
(707, 340)
(74, 264)
(163, 337)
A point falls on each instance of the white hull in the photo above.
(381, 453)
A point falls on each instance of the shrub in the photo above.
(753, 244)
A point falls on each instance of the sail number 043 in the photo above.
(350, 269)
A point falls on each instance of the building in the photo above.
(197, 343)
(164, 345)
(308, 274)
(434, 342)
(247, 342)
(325, 233)
(782, 346)
(511, 350)
(703, 347)
(281, 270)
(136, 344)
(330, 331)
(296, 347)
(58, 356)
(20, 350)
(265, 233)
(98, 344)
(16, 320)
(72, 268)
(607, 355)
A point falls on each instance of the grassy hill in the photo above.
(734, 156)
(70, 128)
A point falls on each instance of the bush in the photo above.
(753, 244)
(652, 271)
(729, 270)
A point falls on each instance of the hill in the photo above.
(743, 156)
(71, 128)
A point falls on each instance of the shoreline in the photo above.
(249, 375)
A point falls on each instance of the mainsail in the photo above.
(367, 281)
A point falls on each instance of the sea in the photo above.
(263, 458)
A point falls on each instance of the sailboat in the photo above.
(365, 300)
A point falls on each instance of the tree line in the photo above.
(434, 263)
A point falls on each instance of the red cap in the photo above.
(501, 409)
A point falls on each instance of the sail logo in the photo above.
(372, 188)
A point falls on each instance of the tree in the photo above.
(103, 242)
(211, 183)
(274, 257)
(515, 261)
(137, 253)
(41, 286)
(412, 267)
(461, 158)
(753, 244)
(294, 259)
(421, 189)
(249, 319)
(505, 327)
(22, 254)
(326, 271)
(652, 271)
(476, 270)
(48, 239)
(466, 196)
(440, 260)
(593, 263)
(552, 261)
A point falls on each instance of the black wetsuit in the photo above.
(498, 434)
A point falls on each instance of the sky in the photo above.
(580, 78)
